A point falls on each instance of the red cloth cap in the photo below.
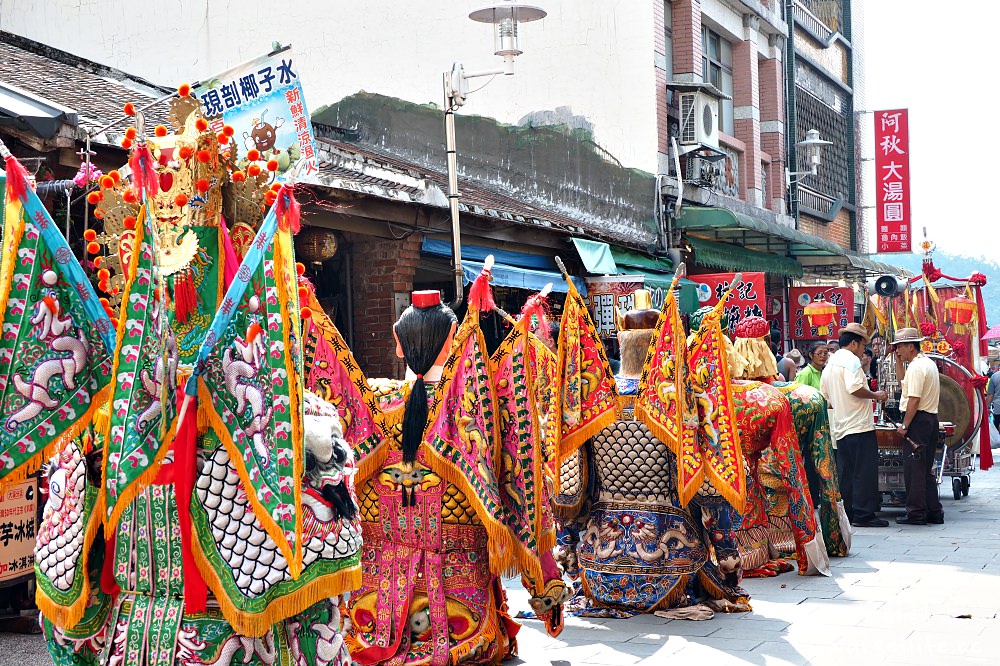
(426, 299)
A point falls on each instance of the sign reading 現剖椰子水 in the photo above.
(892, 181)
(262, 100)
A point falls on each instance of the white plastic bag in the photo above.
(994, 436)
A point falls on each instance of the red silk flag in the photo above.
(711, 395)
(892, 180)
(661, 402)
(588, 396)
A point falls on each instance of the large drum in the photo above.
(961, 404)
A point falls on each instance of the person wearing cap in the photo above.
(789, 364)
(845, 388)
(921, 386)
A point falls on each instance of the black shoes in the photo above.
(936, 520)
(874, 522)
(906, 520)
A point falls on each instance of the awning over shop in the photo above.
(520, 270)
(596, 257)
(743, 232)
(731, 257)
(30, 113)
(632, 259)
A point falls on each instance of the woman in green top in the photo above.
(809, 375)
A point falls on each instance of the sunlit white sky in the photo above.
(939, 61)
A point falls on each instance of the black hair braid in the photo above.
(422, 333)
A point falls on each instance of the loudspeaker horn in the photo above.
(889, 286)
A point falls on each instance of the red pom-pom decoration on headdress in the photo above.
(752, 327)
(129, 109)
(201, 124)
(253, 154)
(184, 90)
(426, 299)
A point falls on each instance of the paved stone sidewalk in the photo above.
(895, 600)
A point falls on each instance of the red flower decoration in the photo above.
(978, 279)
(927, 329)
(958, 346)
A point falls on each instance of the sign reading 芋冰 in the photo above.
(18, 520)
(892, 181)
(262, 100)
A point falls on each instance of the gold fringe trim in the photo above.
(272, 529)
(717, 592)
(284, 256)
(136, 487)
(35, 462)
(67, 617)
(569, 445)
(13, 233)
(111, 518)
(256, 625)
(736, 498)
(500, 543)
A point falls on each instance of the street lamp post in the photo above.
(813, 147)
(505, 16)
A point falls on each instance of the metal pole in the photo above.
(456, 237)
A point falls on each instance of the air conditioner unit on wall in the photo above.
(699, 119)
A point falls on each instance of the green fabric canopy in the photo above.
(596, 257)
(723, 255)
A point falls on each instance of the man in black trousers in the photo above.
(921, 386)
(845, 387)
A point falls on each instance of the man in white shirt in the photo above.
(845, 387)
(921, 386)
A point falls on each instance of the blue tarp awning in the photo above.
(520, 270)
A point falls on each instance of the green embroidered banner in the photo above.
(145, 364)
(53, 351)
(251, 394)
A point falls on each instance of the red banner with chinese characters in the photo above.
(892, 180)
(746, 299)
(800, 297)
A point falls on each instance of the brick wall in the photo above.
(661, 78)
(746, 100)
(772, 116)
(838, 231)
(381, 268)
(686, 16)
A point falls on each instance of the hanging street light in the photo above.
(505, 16)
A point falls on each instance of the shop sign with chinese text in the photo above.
(800, 297)
(18, 519)
(262, 100)
(747, 298)
(892, 181)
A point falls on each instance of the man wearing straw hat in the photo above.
(852, 424)
(921, 386)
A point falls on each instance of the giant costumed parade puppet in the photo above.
(201, 505)
(649, 503)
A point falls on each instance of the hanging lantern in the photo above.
(960, 311)
(821, 314)
(315, 244)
